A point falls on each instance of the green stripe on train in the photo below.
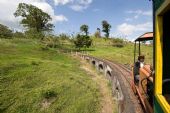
(158, 3)
(157, 107)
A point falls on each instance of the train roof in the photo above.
(145, 37)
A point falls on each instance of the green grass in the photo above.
(30, 75)
(102, 48)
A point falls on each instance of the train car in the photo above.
(162, 56)
(153, 87)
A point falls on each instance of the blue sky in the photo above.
(116, 12)
(128, 18)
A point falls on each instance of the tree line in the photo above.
(38, 24)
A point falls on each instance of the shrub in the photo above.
(49, 94)
(50, 42)
(33, 34)
(34, 63)
(64, 38)
(118, 42)
(5, 32)
(19, 34)
(82, 41)
(97, 34)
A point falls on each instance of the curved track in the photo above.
(121, 79)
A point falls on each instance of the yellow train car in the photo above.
(162, 56)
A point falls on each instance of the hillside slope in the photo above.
(125, 55)
(34, 80)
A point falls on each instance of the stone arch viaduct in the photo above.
(120, 78)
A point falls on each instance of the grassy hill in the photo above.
(103, 48)
(35, 80)
(39, 80)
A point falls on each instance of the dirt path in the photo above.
(107, 102)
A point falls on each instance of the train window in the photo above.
(166, 55)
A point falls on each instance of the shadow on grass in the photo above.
(71, 48)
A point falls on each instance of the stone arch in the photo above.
(87, 59)
(108, 73)
(93, 62)
(101, 67)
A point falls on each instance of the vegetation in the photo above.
(118, 42)
(84, 28)
(33, 18)
(82, 41)
(64, 38)
(104, 49)
(37, 76)
(5, 32)
(34, 80)
(18, 34)
(97, 34)
(115, 49)
(50, 42)
(106, 28)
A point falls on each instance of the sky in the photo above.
(128, 18)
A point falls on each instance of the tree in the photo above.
(84, 28)
(106, 28)
(5, 32)
(82, 41)
(33, 17)
(19, 34)
(97, 34)
(98, 29)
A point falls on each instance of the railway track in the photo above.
(132, 104)
(121, 79)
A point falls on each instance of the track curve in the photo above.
(121, 79)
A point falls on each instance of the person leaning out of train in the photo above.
(138, 64)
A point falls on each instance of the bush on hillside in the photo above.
(49, 94)
(63, 38)
(97, 34)
(118, 42)
(32, 33)
(82, 41)
(5, 32)
(19, 34)
(50, 42)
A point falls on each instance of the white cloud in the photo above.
(85, 2)
(62, 2)
(137, 13)
(126, 29)
(60, 18)
(8, 7)
(147, 13)
(76, 5)
(129, 29)
(140, 12)
(48, 9)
